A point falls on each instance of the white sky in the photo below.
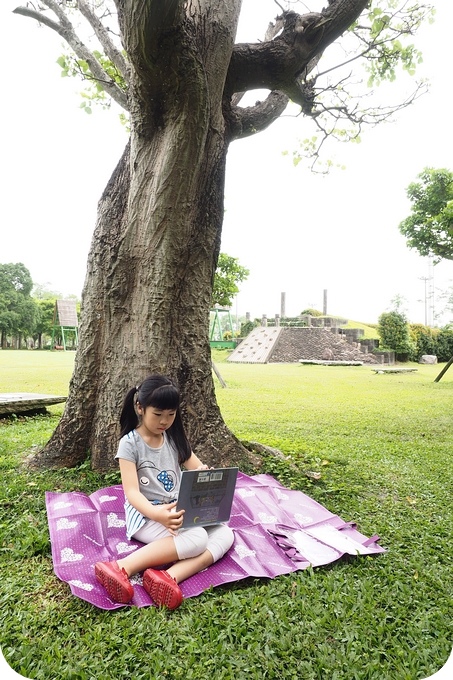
(298, 233)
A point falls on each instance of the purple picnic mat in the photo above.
(277, 531)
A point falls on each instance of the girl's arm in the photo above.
(194, 463)
(164, 514)
(129, 480)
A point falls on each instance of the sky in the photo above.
(298, 233)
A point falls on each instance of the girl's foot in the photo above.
(162, 588)
(115, 581)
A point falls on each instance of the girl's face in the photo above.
(156, 420)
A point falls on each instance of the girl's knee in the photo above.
(191, 542)
(227, 536)
(220, 540)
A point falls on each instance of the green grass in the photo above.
(35, 371)
(383, 445)
(369, 332)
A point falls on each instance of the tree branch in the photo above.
(65, 29)
(102, 35)
(278, 64)
(246, 121)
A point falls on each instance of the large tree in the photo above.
(181, 77)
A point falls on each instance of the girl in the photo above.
(152, 448)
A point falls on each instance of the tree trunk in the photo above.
(147, 293)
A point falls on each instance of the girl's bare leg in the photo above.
(153, 554)
(192, 565)
(162, 552)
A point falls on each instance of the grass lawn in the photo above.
(383, 445)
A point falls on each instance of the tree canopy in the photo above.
(429, 229)
(228, 274)
(26, 310)
(176, 69)
(18, 311)
(393, 330)
(290, 67)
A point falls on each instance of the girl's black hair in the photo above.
(160, 392)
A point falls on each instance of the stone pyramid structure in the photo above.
(279, 344)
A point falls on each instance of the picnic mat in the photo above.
(277, 531)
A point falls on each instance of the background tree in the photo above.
(247, 327)
(429, 229)
(311, 312)
(27, 317)
(17, 309)
(444, 345)
(423, 340)
(227, 275)
(177, 71)
(393, 330)
(41, 292)
(44, 322)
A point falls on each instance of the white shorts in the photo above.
(217, 538)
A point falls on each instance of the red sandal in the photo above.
(115, 581)
(162, 588)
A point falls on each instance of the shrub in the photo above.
(247, 327)
(311, 312)
(444, 349)
(393, 330)
(424, 340)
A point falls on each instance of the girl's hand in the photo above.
(168, 516)
(194, 463)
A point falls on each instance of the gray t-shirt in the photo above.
(158, 472)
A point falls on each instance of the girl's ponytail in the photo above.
(128, 417)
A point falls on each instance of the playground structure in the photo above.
(64, 321)
(310, 344)
(221, 329)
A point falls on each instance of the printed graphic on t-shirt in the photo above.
(147, 470)
(167, 479)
